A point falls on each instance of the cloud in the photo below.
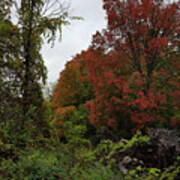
(76, 37)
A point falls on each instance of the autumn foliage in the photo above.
(62, 115)
(134, 65)
(72, 89)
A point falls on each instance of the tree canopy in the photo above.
(22, 67)
(133, 64)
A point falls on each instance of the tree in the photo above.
(130, 59)
(9, 63)
(37, 18)
(71, 93)
(5, 9)
(22, 68)
(73, 87)
(142, 31)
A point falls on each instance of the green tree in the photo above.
(9, 69)
(37, 19)
(22, 70)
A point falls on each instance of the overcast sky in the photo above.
(76, 37)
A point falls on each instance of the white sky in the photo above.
(76, 37)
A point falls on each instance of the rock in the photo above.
(126, 160)
(167, 138)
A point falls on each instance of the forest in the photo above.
(114, 113)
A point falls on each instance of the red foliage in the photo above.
(72, 87)
(124, 60)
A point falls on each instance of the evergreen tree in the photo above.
(37, 18)
(9, 68)
(22, 70)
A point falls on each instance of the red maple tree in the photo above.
(131, 61)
